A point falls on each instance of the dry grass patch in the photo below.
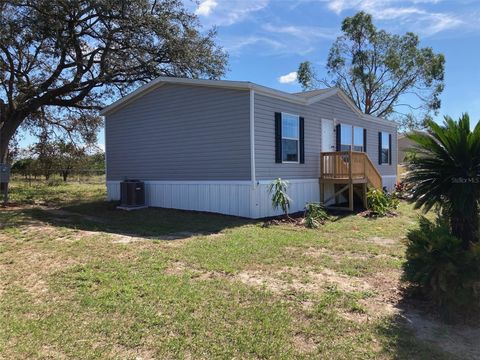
(383, 241)
(295, 279)
(303, 344)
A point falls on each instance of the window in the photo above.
(345, 137)
(358, 139)
(290, 138)
(385, 150)
(350, 138)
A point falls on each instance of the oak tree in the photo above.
(70, 57)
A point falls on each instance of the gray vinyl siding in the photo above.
(179, 132)
(265, 166)
(333, 108)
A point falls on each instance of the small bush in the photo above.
(441, 267)
(400, 191)
(54, 182)
(380, 203)
(315, 215)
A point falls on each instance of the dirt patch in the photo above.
(383, 241)
(32, 268)
(321, 252)
(454, 339)
(303, 345)
(285, 280)
(182, 235)
(388, 285)
(300, 280)
(140, 353)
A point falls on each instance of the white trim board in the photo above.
(252, 136)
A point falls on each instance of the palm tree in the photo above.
(445, 173)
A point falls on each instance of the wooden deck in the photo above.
(348, 168)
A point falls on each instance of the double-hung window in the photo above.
(358, 139)
(350, 138)
(290, 138)
(345, 137)
(385, 148)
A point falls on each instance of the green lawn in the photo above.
(79, 279)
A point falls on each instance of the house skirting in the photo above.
(389, 181)
(239, 198)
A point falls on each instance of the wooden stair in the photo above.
(347, 168)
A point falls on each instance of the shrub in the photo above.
(400, 191)
(280, 199)
(445, 173)
(380, 203)
(54, 182)
(441, 267)
(315, 215)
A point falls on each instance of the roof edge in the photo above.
(245, 85)
(240, 85)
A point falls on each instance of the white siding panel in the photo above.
(230, 198)
(300, 191)
(113, 190)
(389, 181)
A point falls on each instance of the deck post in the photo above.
(322, 192)
(365, 204)
(364, 166)
(334, 166)
(350, 180)
(350, 196)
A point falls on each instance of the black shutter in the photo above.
(364, 140)
(278, 137)
(390, 149)
(337, 137)
(302, 140)
(380, 148)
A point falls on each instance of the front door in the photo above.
(328, 136)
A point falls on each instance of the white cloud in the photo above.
(206, 7)
(237, 44)
(288, 78)
(338, 6)
(406, 13)
(228, 12)
(308, 33)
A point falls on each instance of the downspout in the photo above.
(252, 138)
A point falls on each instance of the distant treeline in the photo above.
(65, 166)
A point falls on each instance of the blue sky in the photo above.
(267, 39)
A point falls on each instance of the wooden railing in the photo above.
(349, 165)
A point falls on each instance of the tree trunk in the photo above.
(65, 175)
(4, 141)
